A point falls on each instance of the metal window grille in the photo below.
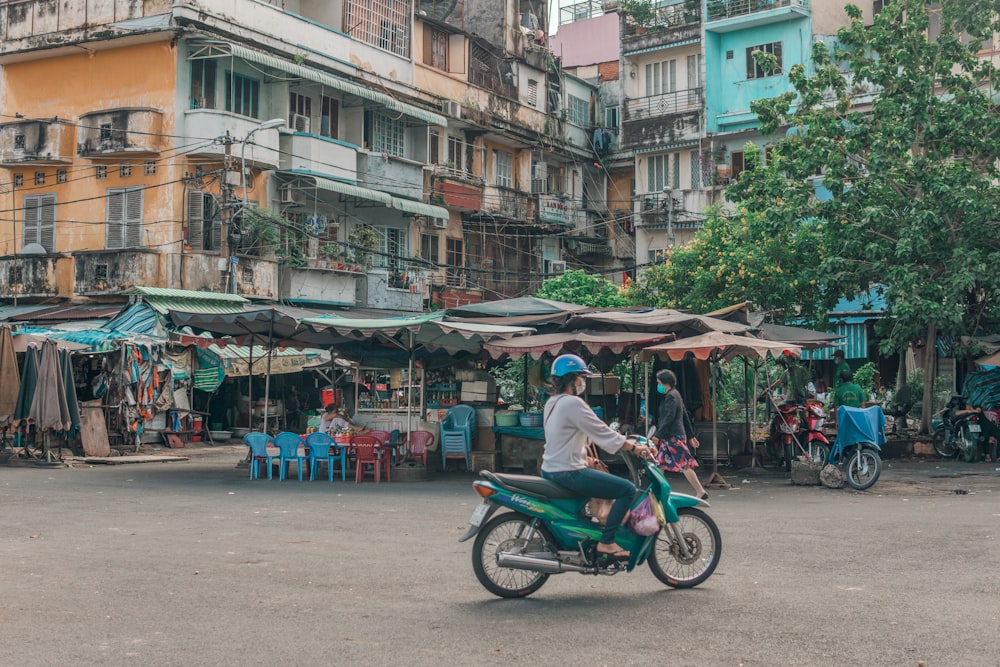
(39, 178)
(18, 180)
(149, 168)
(388, 135)
(101, 172)
(125, 170)
(60, 176)
(20, 141)
(381, 23)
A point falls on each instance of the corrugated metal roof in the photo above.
(89, 311)
(163, 305)
(17, 312)
(660, 47)
(186, 294)
(854, 345)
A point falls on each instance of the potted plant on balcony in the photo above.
(692, 11)
(328, 253)
(364, 240)
(260, 228)
(641, 13)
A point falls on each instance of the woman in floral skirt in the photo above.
(671, 438)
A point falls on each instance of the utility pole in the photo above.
(226, 245)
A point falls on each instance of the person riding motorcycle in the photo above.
(569, 423)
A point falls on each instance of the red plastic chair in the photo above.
(385, 439)
(368, 450)
(418, 442)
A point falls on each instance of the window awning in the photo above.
(309, 181)
(325, 78)
(420, 208)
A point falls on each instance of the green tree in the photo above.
(743, 255)
(906, 134)
(580, 288)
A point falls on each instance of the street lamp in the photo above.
(266, 125)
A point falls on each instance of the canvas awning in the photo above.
(594, 342)
(653, 320)
(807, 339)
(719, 346)
(260, 322)
(524, 305)
(235, 359)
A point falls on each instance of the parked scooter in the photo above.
(548, 531)
(860, 436)
(958, 435)
(816, 443)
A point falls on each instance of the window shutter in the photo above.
(47, 222)
(196, 219)
(116, 219)
(133, 218)
(30, 220)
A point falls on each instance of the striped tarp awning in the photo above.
(854, 345)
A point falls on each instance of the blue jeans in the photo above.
(597, 484)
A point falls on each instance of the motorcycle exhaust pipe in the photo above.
(537, 564)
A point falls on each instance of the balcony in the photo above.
(506, 203)
(679, 209)
(29, 276)
(311, 152)
(320, 285)
(257, 277)
(671, 25)
(731, 15)
(661, 120)
(110, 272)
(23, 23)
(391, 174)
(215, 123)
(121, 133)
(383, 289)
(455, 188)
(36, 142)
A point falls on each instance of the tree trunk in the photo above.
(901, 373)
(930, 372)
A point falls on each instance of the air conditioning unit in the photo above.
(289, 195)
(451, 108)
(557, 267)
(300, 122)
(438, 223)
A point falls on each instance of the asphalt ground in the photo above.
(191, 563)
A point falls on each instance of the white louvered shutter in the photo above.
(30, 220)
(47, 222)
(196, 219)
(133, 218)
(116, 219)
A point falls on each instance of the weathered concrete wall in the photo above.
(114, 271)
(30, 275)
(319, 286)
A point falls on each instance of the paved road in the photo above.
(189, 563)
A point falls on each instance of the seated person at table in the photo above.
(332, 420)
(336, 420)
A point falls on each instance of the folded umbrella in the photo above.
(10, 381)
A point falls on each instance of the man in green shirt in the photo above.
(838, 359)
(848, 393)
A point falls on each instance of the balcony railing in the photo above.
(670, 16)
(724, 9)
(655, 106)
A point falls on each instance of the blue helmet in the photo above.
(569, 363)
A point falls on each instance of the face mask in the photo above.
(661, 388)
(581, 386)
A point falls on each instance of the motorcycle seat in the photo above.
(530, 484)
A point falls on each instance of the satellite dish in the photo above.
(34, 249)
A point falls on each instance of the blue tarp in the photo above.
(856, 425)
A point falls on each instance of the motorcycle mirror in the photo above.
(615, 426)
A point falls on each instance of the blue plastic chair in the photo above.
(258, 442)
(320, 446)
(288, 444)
(457, 430)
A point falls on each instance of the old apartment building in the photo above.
(379, 153)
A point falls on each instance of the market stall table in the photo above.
(520, 448)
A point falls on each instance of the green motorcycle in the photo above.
(546, 529)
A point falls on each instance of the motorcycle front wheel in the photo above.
(788, 451)
(943, 444)
(704, 546)
(506, 534)
(819, 452)
(863, 468)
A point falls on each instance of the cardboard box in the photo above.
(471, 397)
(479, 391)
(611, 384)
(485, 440)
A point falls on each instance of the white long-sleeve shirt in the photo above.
(569, 424)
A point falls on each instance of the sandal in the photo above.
(618, 554)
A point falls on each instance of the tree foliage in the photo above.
(578, 287)
(905, 132)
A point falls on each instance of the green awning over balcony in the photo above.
(420, 208)
(325, 78)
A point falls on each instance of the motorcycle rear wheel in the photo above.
(863, 468)
(819, 452)
(504, 533)
(943, 445)
(704, 544)
(970, 444)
